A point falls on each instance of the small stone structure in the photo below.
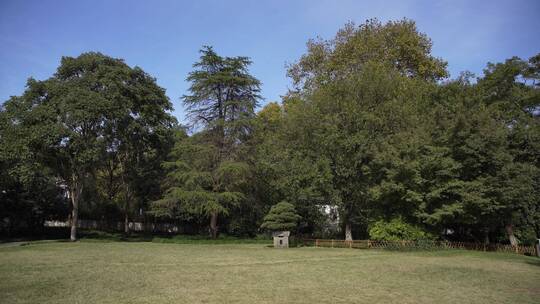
(281, 239)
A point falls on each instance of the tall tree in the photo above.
(223, 99)
(197, 186)
(68, 119)
(286, 165)
(222, 102)
(138, 135)
(396, 44)
(364, 86)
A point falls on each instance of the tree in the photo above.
(28, 191)
(282, 217)
(353, 118)
(285, 165)
(68, 120)
(196, 186)
(138, 135)
(364, 87)
(222, 102)
(485, 130)
(63, 118)
(223, 99)
(396, 44)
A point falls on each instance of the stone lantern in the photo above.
(281, 239)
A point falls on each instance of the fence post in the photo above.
(537, 248)
(316, 242)
(332, 243)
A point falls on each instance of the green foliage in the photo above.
(397, 45)
(357, 98)
(371, 129)
(207, 172)
(396, 230)
(94, 110)
(223, 96)
(399, 145)
(195, 186)
(28, 191)
(282, 217)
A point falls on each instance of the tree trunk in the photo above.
(511, 236)
(74, 193)
(348, 232)
(213, 225)
(486, 237)
(126, 223)
(127, 200)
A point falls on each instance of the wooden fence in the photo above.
(426, 245)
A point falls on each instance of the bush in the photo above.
(397, 230)
(282, 216)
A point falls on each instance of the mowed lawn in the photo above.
(144, 272)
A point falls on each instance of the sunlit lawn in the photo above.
(145, 272)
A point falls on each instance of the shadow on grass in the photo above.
(101, 236)
(49, 233)
(85, 235)
(61, 234)
(535, 262)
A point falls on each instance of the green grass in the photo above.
(149, 272)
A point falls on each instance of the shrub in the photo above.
(397, 230)
(282, 216)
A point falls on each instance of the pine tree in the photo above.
(282, 217)
(207, 171)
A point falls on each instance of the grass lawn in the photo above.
(146, 272)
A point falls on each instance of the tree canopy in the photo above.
(282, 217)
(71, 121)
(208, 172)
(373, 139)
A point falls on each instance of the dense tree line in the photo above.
(372, 130)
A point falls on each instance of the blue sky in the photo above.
(163, 37)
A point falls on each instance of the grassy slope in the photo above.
(115, 272)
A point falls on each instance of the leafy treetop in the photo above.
(282, 216)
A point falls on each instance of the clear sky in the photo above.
(163, 37)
